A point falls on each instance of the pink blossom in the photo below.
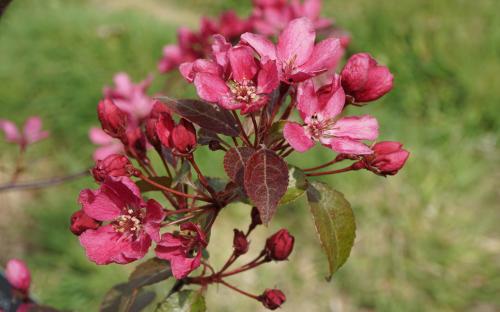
(387, 159)
(131, 98)
(364, 80)
(32, 131)
(108, 145)
(130, 223)
(270, 17)
(235, 79)
(320, 110)
(178, 247)
(296, 55)
(193, 45)
(18, 275)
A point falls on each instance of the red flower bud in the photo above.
(240, 243)
(18, 275)
(184, 137)
(389, 157)
(364, 80)
(135, 143)
(80, 222)
(164, 127)
(114, 165)
(256, 220)
(113, 120)
(280, 245)
(272, 298)
(158, 109)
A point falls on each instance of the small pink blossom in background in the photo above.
(107, 144)
(131, 98)
(269, 17)
(177, 248)
(32, 131)
(132, 223)
(320, 110)
(297, 56)
(364, 80)
(18, 275)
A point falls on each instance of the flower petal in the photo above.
(263, 46)
(267, 79)
(324, 57)
(307, 101)
(296, 42)
(242, 62)
(348, 146)
(32, 130)
(210, 87)
(12, 135)
(356, 127)
(297, 138)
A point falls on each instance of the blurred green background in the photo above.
(427, 239)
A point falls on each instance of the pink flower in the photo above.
(296, 55)
(108, 145)
(193, 45)
(18, 275)
(235, 80)
(364, 80)
(177, 249)
(131, 224)
(387, 159)
(270, 17)
(32, 131)
(131, 98)
(320, 111)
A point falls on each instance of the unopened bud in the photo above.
(280, 245)
(240, 243)
(114, 165)
(184, 137)
(18, 275)
(272, 298)
(113, 120)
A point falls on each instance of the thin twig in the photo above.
(43, 183)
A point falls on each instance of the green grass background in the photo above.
(427, 239)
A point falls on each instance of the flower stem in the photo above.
(243, 134)
(317, 174)
(335, 160)
(170, 190)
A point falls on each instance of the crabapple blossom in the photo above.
(18, 275)
(32, 132)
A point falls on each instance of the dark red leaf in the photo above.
(266, 181)
(234, 162)
(206, 115)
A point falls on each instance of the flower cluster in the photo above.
(269, 85)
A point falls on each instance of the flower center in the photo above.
(130, 222)
(318, 128)
(244, 91)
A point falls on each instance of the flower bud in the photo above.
(364, 80)
(240, 243)
(114, 165)
(18, 275)
(113, 120)
(164, 128)
(272, 298)
(135, 143)
(280, 245)
(184, 137)
(256, 220)
(158, 109)
(389, 158)
(80, 222)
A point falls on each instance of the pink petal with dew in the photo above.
(296, 42)
(295, 135)
(356, 127)
(348, 146)
(263, 46)
(10, 130)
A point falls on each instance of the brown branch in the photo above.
(43, 183)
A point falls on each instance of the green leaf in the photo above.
(335, 224)
(183, 301)
(150, 272)
(297, 185)
(146, 187)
